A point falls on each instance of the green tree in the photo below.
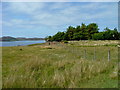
(77, 36)
(109, 34)
(84, 32)
(98, 36)
(59, 36)
(49, 38)
(91, 29)
(66, 37)
(77, 29)
(70, 32)
(83, 27)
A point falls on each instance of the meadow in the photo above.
(76, 64)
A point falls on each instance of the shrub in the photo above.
(65, 41)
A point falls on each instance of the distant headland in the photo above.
(9, 38)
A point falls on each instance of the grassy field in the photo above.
(78, 64)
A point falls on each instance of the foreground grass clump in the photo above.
(61, 66)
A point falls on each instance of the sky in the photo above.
(59, 0)
(41, 19)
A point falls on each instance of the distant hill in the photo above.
(9, 38)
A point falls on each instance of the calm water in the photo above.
(22, 43)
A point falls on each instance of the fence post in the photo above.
(84, 53)
(94, 53)
(108, 54)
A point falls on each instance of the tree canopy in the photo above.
(85, 32)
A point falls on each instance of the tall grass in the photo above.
(62, 66)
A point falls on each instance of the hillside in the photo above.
(9, 38)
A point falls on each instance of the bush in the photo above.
(98, 36)
(65, 41)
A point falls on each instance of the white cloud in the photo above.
(58, 14)
(24, 7)
(8, 24)
(18, 23)
(74, 14)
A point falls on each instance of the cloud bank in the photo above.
(54, 15)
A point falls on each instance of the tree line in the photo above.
(85, 32)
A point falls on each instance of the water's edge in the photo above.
(20, 43)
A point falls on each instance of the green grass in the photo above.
(36, 44)
(59, 66)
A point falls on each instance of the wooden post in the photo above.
(84, 53)
(108, 54)
(94, 53)
(48, 43)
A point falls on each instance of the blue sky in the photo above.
(41, 19)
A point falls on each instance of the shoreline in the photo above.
(20, 43)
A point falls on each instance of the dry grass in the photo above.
(95, 43)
